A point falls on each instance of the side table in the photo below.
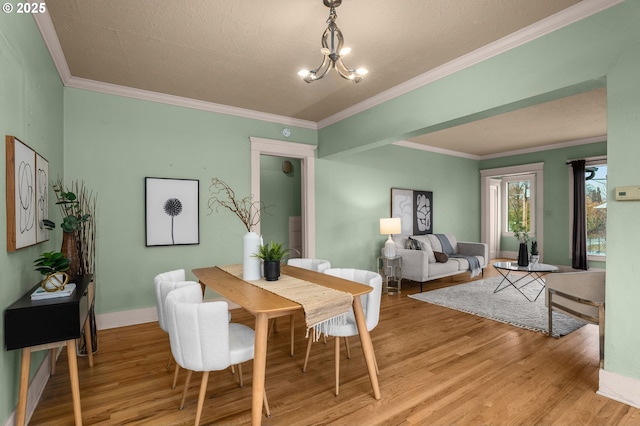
(391, 270)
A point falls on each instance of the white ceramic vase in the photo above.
(250, 263)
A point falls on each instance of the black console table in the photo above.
(34, 325)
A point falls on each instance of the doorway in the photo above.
(306, 154)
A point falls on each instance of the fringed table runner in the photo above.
(321, 305)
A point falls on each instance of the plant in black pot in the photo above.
(534, 252)
(53, 265)
(521, 235)
(271, 254)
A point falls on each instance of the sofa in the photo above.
(424, 258)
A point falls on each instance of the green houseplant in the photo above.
(271, 254)
(53, 265)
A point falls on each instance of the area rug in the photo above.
(507, 306)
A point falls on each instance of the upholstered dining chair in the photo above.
(370, 306)
(203, 339)
(164, 283)
(318, 265)
(580, 295)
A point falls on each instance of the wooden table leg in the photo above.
(259, 367)
(88, 340)
(25, 365)
(367, 346)
(75, 383)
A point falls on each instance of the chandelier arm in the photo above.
(319, 72)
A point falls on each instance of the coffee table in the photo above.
(534, 270)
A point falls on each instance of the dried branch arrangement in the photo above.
(247, 210)
(84, 206)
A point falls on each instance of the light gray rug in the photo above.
(507, 306)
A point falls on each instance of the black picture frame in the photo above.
(414, 208)
(172, 213)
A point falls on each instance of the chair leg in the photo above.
(337, 356)
(175, 376)
(186, 387)
(240, 381)
(309, 342)
(346, 343)
(266, 404)
(203, 391)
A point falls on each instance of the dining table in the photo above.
(264, 305)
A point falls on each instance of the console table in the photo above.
(34, 325)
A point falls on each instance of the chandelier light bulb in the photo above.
(362, 71)
(303, 73)
(345, 51)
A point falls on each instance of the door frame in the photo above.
(306, 153)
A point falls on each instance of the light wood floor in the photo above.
(437, 367)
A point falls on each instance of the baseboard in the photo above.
(619, 388)
(137, 316)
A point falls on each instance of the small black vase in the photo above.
(523, 255)
(271, 270)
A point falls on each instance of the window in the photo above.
(596, 204)
(519, 203)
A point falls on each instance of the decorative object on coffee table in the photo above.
(523, 253)
(534, 252)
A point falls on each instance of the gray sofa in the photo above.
(419, 262)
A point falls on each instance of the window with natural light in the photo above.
(596, 204)
(519, 203)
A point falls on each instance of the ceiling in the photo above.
(245, 54)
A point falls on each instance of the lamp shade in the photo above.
(391, 225)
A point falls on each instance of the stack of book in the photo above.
(40, 293)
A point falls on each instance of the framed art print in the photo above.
(42, 198)
(171, 211)
(415, 208)
(20, 194)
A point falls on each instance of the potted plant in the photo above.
(53, 265)
(534, 252)
(271, 254)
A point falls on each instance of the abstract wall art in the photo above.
(415, 208)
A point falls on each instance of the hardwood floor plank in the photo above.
(437, 366)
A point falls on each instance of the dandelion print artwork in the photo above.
(172, 211)
(172, 207)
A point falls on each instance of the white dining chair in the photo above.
(202, 339)
(164, 283)
(370, 306)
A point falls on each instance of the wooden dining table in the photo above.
(265, 305)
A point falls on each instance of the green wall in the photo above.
(31, 110)
(113, 143)
(354, 191)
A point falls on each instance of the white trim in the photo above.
(566, 17)
(125, 318)
(421, 147)
(619, 388)
(306, 153)
(578, 142)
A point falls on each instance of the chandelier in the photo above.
(333, 51)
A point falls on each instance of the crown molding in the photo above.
(559, 20)
(566, 17)
(47, 30)
(421, 147)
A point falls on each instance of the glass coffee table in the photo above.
(535, 271)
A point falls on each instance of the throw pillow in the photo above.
(412, 244)
(441, 257)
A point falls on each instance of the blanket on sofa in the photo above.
(474, 263)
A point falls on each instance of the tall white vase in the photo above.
(250, 263)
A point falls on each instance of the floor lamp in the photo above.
(392, 225)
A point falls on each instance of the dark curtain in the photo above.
(579, 244)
